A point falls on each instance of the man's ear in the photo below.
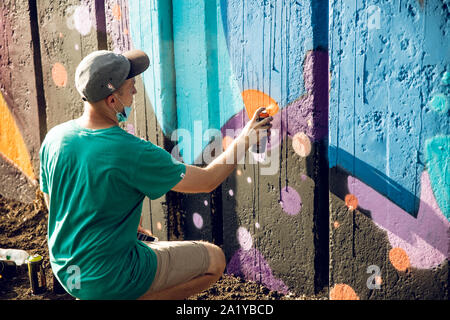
(110, 100)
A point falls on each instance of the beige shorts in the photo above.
(178, 262)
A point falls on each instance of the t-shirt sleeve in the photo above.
(157, 172)
(42, 174)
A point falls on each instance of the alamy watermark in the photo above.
(73, 282)
(373, 17)
(374, 281)
(190, 146)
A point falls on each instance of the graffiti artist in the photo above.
(95, 176)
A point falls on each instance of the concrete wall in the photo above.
(352, 194)
(21, 101)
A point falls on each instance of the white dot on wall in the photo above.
(257, 225)
(159, 225)
(230, 192)
(77, 47)
(198, 220)
(82, 20)
(239, 172)
(245, 238)
(249, 180)
(205, 202)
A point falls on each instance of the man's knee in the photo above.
(217, 261)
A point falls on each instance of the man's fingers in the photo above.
(258, 111)
(264, 123)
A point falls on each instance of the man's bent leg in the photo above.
(198, 284)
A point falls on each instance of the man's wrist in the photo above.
(244, 138)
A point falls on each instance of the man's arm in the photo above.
(205, 180)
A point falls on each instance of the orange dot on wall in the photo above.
(336, 224)
(59, 75)
(343, 291)
(351, 201)
(399, 259)
(255, 99)
(226, 141)
(301, 144)
(117, 12)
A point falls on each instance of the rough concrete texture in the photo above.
(388, 149)
(351, 195)
(67, 34)
(19, 102)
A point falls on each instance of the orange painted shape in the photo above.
(399, 259)
(336, 224)
(255, 99)
(12, 145)
(117, 12)
(343, 291)
(351, 201)
(59, 75)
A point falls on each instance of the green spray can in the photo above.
(36, 274)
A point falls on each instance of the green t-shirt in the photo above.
(97, 181)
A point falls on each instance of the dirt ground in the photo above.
(24, 226)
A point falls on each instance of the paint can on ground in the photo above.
(36, 274)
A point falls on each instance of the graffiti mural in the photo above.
(389, 129)
(382, 117)
(358, 205)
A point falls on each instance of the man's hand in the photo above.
(142, 230)
(204, 180)
(253, 127)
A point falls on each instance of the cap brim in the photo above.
(139, 62)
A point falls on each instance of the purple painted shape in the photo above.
(290, 201)
(425, 238)
(311, 106)
(251, 265)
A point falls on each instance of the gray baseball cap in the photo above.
(102, 72)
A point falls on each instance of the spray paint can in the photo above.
(260, 146)
(36, 274)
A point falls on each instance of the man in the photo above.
(95, 176)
